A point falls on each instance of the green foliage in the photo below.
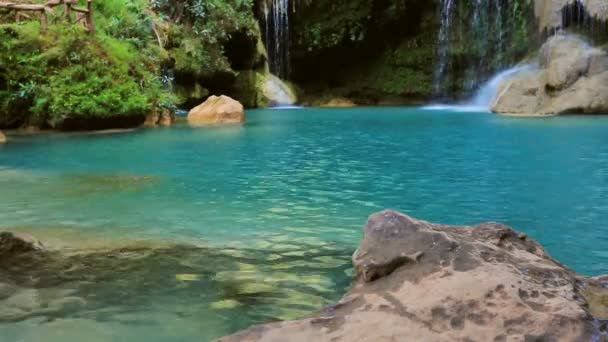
(198, 30)
(329, 23)
(405, 71)
(67, 73)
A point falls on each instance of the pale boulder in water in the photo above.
(572, 78)
(217, 110)
(2, 138)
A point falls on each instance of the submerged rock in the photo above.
(217, 110)
(421, 281)
(572, 78)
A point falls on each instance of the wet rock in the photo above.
(217, 110)
(2, 138)
(12, 244)
(572, 78)
(422, 281)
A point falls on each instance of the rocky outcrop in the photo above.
(421, 281)
(550, 16)
(2, 138)
(263, 89)
(163, 118)
(217, 110)
(276, 92)
(572, 77)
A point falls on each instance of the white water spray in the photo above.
(485, 95)
(276, 19)
(482, 100)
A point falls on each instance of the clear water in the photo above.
(278, 205)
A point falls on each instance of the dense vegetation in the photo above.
(66, 78)
(379, 51)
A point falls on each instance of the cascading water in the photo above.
(276, 17)
(485, 95)
(470, 51)
(483, 98)
(443, 43)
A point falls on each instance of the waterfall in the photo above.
(469, 51)
(277, 92)
(276, 18)
(442, 46)
(485, 95)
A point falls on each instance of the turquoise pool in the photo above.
(281, 200)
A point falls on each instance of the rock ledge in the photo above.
(419, 281)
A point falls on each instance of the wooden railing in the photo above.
(83, 16)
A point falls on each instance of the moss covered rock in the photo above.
(262, 89)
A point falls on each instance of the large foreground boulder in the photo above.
(419, 281)
(217, 110)
(571, 78)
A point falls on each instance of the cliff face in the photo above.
(373, 51)
(428, 282)
(386, 51)
(551, 14)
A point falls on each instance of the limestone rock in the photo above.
(276, 92)
(566, 59)
(549, 12)
(2, 138)
(217, 110)
(519, 94)
(571, 78)
(262, 89)
(419, 281)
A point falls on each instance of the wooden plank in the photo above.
(80, 10)
(22, 7)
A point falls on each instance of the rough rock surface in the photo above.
(159, 118)
(217, 110)
(419, 281)
(16, 245)
(572, 77)
(549, 12)
(2, 138)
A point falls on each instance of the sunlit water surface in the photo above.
(278, 205)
